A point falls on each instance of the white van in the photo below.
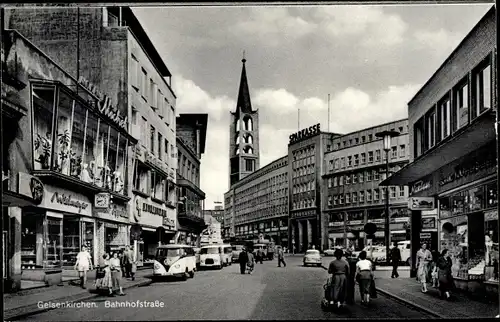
(174, 260)
(404, 247)
(211, 256)
(227, 254)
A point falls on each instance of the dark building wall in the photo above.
(188, 135)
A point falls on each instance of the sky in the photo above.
(370, 59)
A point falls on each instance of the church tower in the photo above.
(243, 134)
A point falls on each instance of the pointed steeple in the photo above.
(244, 104)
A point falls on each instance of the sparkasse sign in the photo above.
(305, 133)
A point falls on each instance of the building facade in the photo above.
(132, 185)
(353, 170)
(191, 138)
(244, 156)
(63, 151)
(452, 173)
(258, 205)
(216, 214)
(306, 150)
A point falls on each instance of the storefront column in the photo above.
(15, 217)
(415, 227)
(301, 236)
(309, 233)
(100, 240)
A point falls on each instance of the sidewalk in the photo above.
(460, 306)
(25, 303)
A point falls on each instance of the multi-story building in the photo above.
(452, 175)
(259, 204)
(217, 213)
(243, 134)
(305, 159)
(112, 57)
(352, 173)
(191, 138)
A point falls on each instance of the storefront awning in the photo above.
(14, 199)
(480, 132)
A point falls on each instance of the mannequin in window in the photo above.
(85, 177)
(117, 182)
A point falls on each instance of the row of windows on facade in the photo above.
(151, 93)
(370, 215)
(278, 179)
(356, 141)
(355, 160)
(77, 142)
(304, 203)
(304, 187)
(463, 103)
(263, 225)
(297, 164)
(259, 203)
(188, 170)
(359, 196)
(304, 152)
(360, 177)
(247, 139)
(268, 195)
(263, 213)
(153, 184)
(156, 144)
(304, 171)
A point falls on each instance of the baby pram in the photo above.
(250, 267)
(325, 303)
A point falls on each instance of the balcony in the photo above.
(182, 182)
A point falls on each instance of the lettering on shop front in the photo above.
(153, 210)
(420, 186)
(67, 201)
(305, 133)
(105, 106)
(467, 169)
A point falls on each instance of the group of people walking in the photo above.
(247, 260)
(110, 270)
(435, 269)
(340, 287)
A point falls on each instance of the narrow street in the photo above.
(271, 293)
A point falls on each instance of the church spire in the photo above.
(244, 104)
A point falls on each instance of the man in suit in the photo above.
(396, 259)
(127, 261)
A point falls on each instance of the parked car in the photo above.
(312, 257)
(329, 252)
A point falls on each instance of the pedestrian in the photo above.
(364, 277)
(433, 269)
(339, 268)
(444, 274)
(396, 259)
(133, 263)
(260, 256)
(83, 264)
(281, 257)
(127, 261)
(243, 259)
(424, 257)
(250, 263)
(116, 274)
(351, 278)
(103, 279)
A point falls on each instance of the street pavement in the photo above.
(271, 293)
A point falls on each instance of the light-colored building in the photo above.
(353, 170)
(452, 174)
(258, 204)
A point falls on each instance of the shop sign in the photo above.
(425, 236)
(305, 133)
(66, 201)
(336, 223)
(154, 210)
(355, 222)
(420, 186)
(421, 203)
(31, 187)
(428, 223)
(376, 221)
(104, 104)
(168, 222)
(102, 200)
(468, 168)
(490, 215)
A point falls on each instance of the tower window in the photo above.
(248, 138)
(248, 123)
(249, 165)
(248, 150)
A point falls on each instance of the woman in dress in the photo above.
(83, 264)
(424, 257)
(106, 281)
(339, 268)
(444, 274)
(116, 273)
(364, 277)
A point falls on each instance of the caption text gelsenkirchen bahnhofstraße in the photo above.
(105, 304)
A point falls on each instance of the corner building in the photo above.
(258, 204)
(111, 56)
(305, 159)
(453, 162)
(353, 170)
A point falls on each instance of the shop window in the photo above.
(43, 112)
(71, 240)
(77, 139)
(482, 88)
(91, 149)
(32, 251)
(53, 245)
(461, 105)
(491, 195)
(63, 134)
(120, 175)
(112, 154)
(102, 171)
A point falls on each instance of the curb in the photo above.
(406, 302)
(32, 309)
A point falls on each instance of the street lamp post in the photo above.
(387, 136)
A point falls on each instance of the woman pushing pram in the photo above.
(250, 262)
